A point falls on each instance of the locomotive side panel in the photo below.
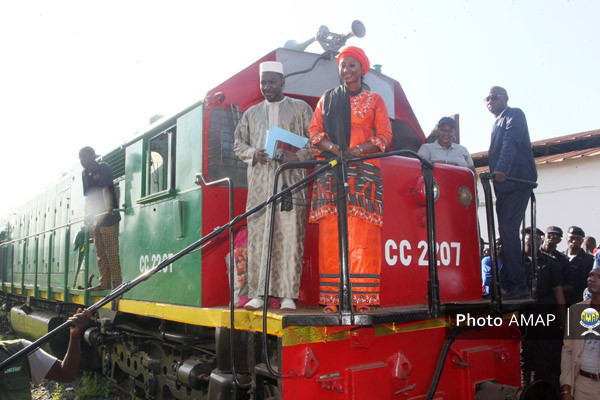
(404, 237)
(162, 213)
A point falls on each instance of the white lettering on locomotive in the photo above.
(448, 253)
(148, 262)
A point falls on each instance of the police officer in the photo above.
(580, 265)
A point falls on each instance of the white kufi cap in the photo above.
(271, 66)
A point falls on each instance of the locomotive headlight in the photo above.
(465, 196)
(417, 191)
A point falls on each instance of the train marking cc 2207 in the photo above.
(448, 253)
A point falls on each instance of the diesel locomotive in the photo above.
(171, 336)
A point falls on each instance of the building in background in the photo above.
(568, 191)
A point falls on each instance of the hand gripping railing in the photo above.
(495, 286)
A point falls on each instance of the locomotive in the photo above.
(174, 335)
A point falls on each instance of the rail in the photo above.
(126, 286)
(52, 231)
(346, 314)
(200, 176)
(496, 284)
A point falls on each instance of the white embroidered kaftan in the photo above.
(288, 233)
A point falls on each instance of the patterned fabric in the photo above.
(365, 199)
(364, 242)
(106, 239)
(369, 122)
(288, 234)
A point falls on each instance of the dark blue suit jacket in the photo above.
(510, 150)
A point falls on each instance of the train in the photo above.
(171, 336)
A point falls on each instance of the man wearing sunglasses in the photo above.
(511, 156)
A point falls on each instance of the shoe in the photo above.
(516, 293)
(254, 304)
(288, 304)
(243, 301)
(330, 309)
(362, 309)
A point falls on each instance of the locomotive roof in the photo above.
(243, 89)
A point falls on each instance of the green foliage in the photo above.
(90, 388)
(59, 393)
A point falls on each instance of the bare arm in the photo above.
(66, 370)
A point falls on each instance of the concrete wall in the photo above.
(568, 193)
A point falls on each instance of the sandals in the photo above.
(362, 309)
(330, 309)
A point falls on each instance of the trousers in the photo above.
(106, 239)
(510, 209)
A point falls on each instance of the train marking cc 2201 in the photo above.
(153, 260)
(448, 253)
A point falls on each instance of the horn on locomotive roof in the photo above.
(329, 40)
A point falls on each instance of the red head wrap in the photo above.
(358, 54)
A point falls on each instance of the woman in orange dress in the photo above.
(350, 119)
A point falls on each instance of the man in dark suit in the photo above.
(580, 265)
(510, 155)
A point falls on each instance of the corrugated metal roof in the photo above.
(568, 156)
(571, 155)
(564, 147)
(567, 138)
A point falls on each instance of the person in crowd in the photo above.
(589, 244)
(486, 267)
(580, 264)
(580, 358)
(290, 217)
(355, 121)
(542, 344)
(15, 381)
(552, 239)
(510, 155)
(444, 149)
(102, 216)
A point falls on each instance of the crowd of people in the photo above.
(563, 279)
(353, 120)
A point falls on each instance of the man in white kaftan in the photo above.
(288, 233)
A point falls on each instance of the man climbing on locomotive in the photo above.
(101, 202)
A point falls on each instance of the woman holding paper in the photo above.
(350, 119)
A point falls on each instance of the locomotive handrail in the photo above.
(495, 285)
(231, 274)
(67, 225)
(346, 314)
(128, 285)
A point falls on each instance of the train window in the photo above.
(160, 165)
(222, 161)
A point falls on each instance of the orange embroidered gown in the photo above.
(369, 123)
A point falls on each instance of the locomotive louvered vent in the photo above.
(222, 161)
(116, 160)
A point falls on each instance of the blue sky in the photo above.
(78, 73)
